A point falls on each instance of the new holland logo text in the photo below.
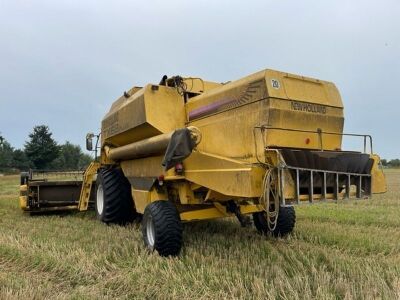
(308, 107)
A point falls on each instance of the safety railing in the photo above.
(61, 175)
(340, 189)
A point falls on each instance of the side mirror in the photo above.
(89, 141)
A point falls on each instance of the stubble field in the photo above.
(338, 251)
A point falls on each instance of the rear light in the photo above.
(161, 180)
(179, 168)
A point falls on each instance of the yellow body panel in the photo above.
(378, 177)
(23, 202)
(229, 114)
(223, 175)
(202, 214)
(142, 198)
(218, 211)
(23, 198)
(146, 113)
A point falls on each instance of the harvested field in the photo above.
(349, 250)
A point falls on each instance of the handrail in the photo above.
(320, 133)
(35, 174)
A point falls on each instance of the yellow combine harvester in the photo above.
(187, 149)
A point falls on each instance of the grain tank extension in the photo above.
(187, 149)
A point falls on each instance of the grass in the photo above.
(338, 251)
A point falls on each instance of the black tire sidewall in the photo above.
(168, 228)
(117, 206)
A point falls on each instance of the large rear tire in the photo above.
(162, 228)
(114, 203)
(285, 223)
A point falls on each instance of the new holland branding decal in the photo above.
(308, 107)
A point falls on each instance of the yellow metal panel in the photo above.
(202, 214)
(230, 133)
(219, 211)
(288, 185)
(165, 108)
(306, 90)
(232, 94)
(186, 195)
(378, 177)
(226, 176)
(228, 114)
(251, 208)
(141, 199)
(302, 88)
(150, 111)
(23, 190)
(23, 198)
(174, 177)
(290, 115)
(143, 167)
(215, 196)
(23, 202)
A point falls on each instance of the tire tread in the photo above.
(167, 225)
(118, 203)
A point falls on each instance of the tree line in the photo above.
(393, 163)
(42, 152)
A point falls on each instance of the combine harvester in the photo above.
(187, 149)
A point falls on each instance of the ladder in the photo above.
(87, 182)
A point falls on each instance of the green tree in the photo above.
(384, 162)
(20, 161)
(71, 158)
(6, 154)
(41, 149)
(84, 161)
(394, 163)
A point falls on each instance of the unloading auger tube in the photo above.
(147, 147)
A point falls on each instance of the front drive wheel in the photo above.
(285, 223)
(114, 203)
(162, 228)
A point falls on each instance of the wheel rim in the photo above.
(150, 232)
(100, 199)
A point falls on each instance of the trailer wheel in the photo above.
(162, 228)
(114, 203)
(285, 223)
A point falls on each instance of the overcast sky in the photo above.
(64, 62)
